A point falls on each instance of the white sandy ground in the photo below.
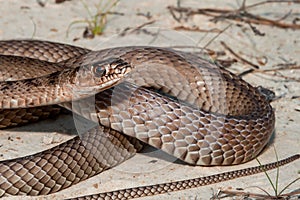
(26, 19)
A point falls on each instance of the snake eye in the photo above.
(99, 70)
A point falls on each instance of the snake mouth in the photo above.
(98, 86)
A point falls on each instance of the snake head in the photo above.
(98, 76)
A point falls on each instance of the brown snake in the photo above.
(208, 116)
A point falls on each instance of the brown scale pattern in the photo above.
(41, 50)
(215, 118)
(21, 116)
(151, 190)
(41, 91)
(67, 164)
(177, 129)
(28, 68)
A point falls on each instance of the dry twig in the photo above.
(241, 14)
(255, 68)
(196, 29)
(137, 29)
(276, 71)
(227, 193)
(238, 57)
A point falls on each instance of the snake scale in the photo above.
(175, 101)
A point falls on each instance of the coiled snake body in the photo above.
(208, 117)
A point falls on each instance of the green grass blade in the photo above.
(268, 177)
(288, 185)
(277, 173)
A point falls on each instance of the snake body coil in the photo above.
(208, 117)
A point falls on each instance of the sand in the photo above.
(27, 19)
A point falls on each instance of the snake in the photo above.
(179, 102)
